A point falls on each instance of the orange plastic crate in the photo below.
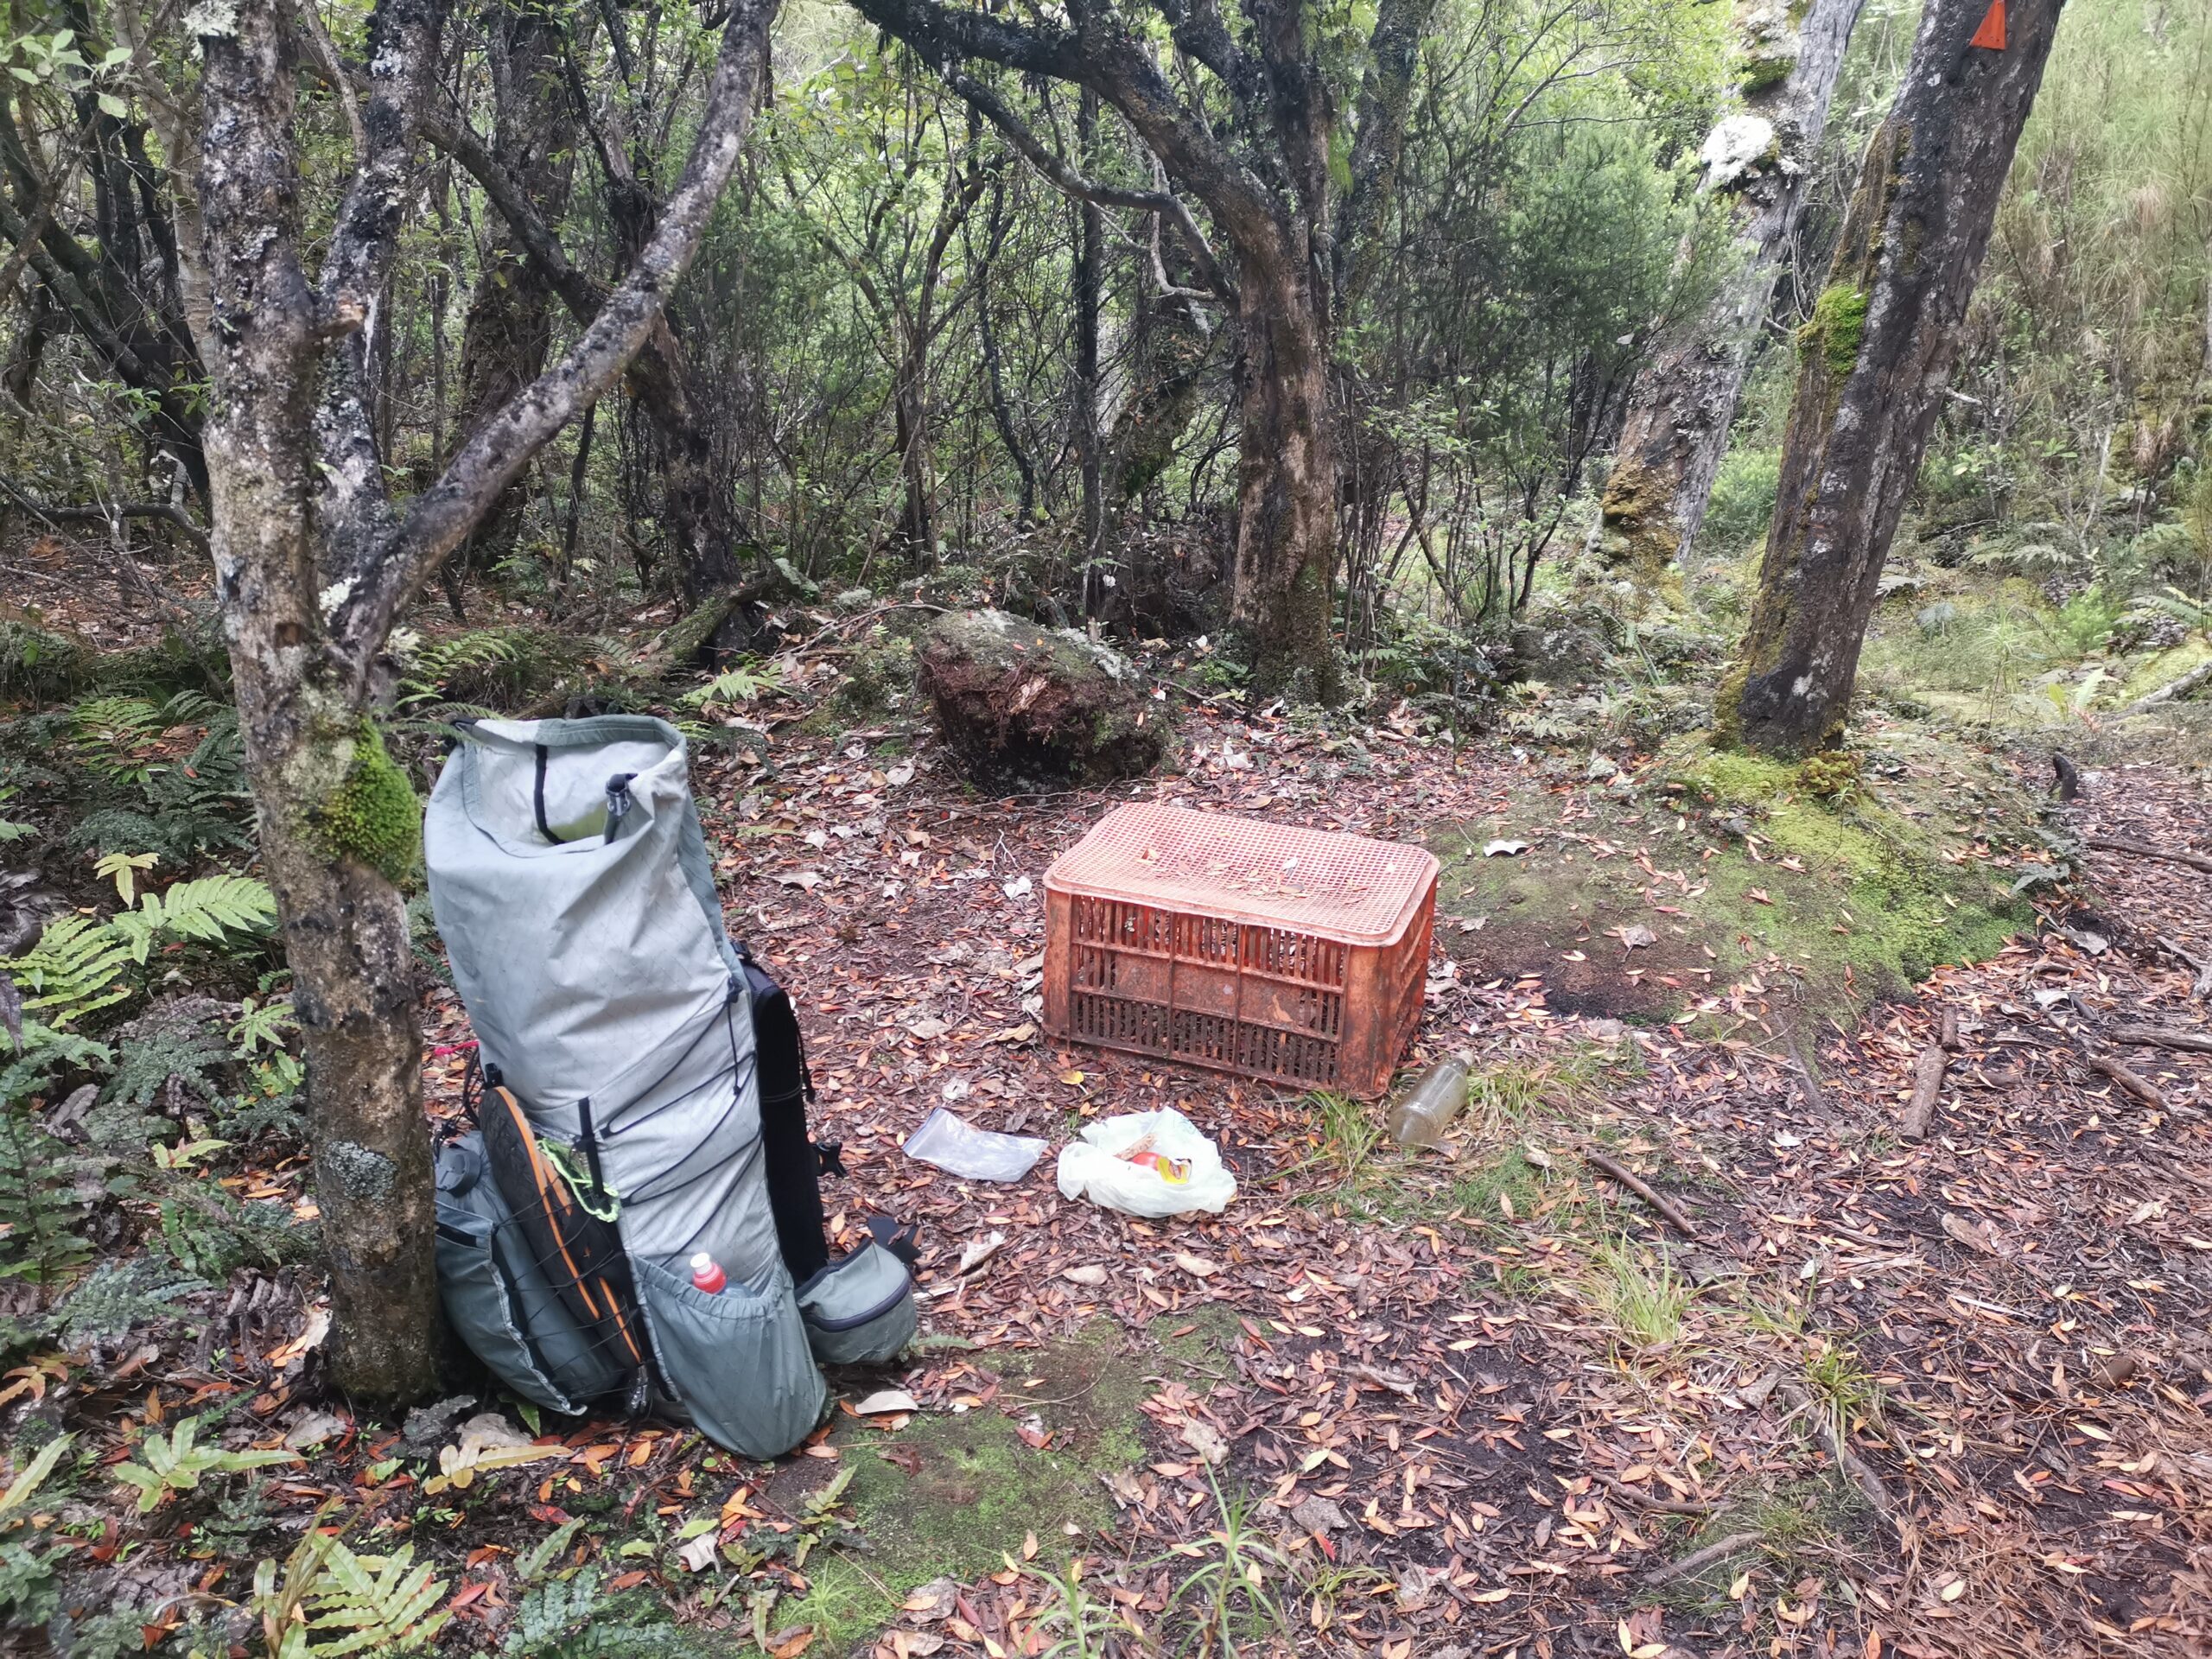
(1293, 954)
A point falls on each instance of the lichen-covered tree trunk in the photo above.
(1875, 359)
(342, 922)
(1676, 427)
(314, 563)
(1286, 489)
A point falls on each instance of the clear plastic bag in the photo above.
(958, 1147)
(1097, 1166)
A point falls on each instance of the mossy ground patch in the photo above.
(952, 1493)
(1742, 879)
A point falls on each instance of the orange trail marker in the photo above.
(1991, 35)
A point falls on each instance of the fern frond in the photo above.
(73, 969)
(746, 682)
(384, 1604)
(118, 738)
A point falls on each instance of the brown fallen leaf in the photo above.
(1973, 1237)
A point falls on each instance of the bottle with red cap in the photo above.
(707, 1274)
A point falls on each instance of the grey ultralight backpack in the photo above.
(649, 1082)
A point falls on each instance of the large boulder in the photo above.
(1019, 704)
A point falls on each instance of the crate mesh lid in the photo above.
(1340, 887)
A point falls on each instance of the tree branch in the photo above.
(1103, 56)
(1065, 179)
(578, 291)
(491, 460)
(354, 506)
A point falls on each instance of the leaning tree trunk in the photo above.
(509, 328)
(1285, 488)
(1877, 356)
(1089, 275)
(343, 923)
(1675, 430)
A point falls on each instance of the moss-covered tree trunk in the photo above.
(1874, 361)
(1757, 160)
(314, 563)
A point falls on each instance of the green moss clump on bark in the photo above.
(1837, 326)
(1636, 527)
(1761, 74)
(374, 818)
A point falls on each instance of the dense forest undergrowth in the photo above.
(1823, 1263)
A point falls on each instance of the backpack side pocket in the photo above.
(859, 1309)
(737, 1360)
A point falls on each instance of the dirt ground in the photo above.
(1943, 1396)
(1858, 1395)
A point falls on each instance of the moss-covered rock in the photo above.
(374, 818)
(1019, 704)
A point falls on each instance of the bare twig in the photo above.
(1833, 1433)
(2189, 1042)
(2130, 1083)
(2145, 849)
(1697, 1560)
(1629, 1495)
(1672, 1217)
(1927, 1085)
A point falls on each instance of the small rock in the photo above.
(699, 1554)
(314, 1429)
(1636, 936)
(1600, 768)
(1196, 1266)
(1320, 1515)
(928, 1603)
(1415, 1582)
(1092, 1275)
(489, 1432)
(1203, 1439)
(426, 1427)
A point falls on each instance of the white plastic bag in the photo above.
(1095, 1168)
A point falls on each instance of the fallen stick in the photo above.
(1696, 1561)
(2145, 849)
(2189, 1042)
(2202, 965)
(2129, 1082)
(1629, 1495)
(2171, 690)
(1850, 1462)
(1950, 1037)
(1927, 1084)
(1810, 1084)
(1667, 1212)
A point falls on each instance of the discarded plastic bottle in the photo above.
(707, 1274)
(1422, 1117)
